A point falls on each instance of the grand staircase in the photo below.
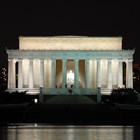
(69, 99)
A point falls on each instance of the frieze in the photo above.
(70, 54)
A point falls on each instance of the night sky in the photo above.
(116, 18)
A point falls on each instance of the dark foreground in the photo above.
(70, 110)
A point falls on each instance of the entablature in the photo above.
(70, 54)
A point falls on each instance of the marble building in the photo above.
(61, 62)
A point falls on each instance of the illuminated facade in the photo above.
(49, 61)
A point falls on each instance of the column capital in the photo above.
(10, 59)
(98, 60)
(130, 60)
(19, 59)
(30, 59)
(64, 60)
(121, 60)
(87, 59)
(41, 59)
(76, 60)
(109, 59)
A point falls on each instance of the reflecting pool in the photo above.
(49, 132)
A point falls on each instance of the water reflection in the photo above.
(44, 132)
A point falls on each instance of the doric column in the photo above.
(53, 73)
(76, 73)
(87, 72)
(129, 74)
(41, 73)
(120, 74)
(49, 74)
(109, 81)
(45, 74)
(20, 75)
(31, 78)
(64, 72)
(11, 74)
(98, 73)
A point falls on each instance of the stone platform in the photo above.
(69, 99)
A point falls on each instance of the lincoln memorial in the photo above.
(58, 63)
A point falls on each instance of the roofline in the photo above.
(70, 36)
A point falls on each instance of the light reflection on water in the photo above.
(44, 132)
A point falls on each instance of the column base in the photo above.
(59, 91)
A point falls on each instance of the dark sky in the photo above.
(116, 18)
